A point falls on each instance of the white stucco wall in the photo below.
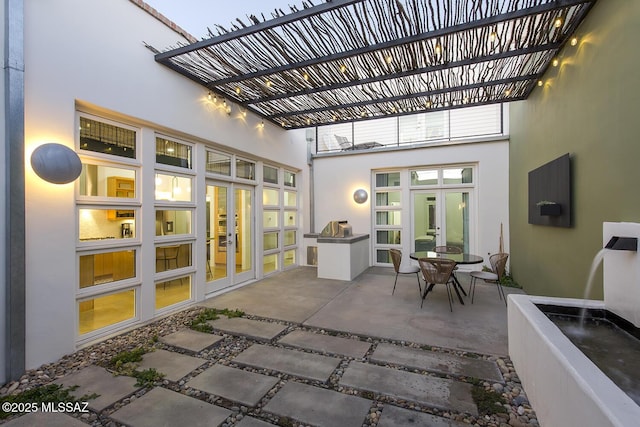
(337, 177)
(93, 53)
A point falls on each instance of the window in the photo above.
(270, 241)
(289, 179)
(173, 291)
(270, 197)
(106, 267)
(107, 181)
(270, 174)
(424, 177)
(291, 199)
(107, 138)
(173, 188)
(104, 224)
(173, 153)
(171, 222)
(219, 163)
(172, 257)
(270, 219)
(106, 310)
(245, 169)
(387, 214)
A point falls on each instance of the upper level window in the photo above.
(106, 138)
(424, 177)
(289, 179)
(245, 169)
(173, 188)
(173, 153)
(457, 176)
(388, 179)
(270, 174)
(219, 163)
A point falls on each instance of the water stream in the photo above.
(597, 260)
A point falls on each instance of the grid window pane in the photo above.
(270, 174)
(170, 222)
(173, 188)
(382, 256)
(218, 163)
(171, 257)
(102, 224)
(424, 177)
(457, 176)
(107, 267)
(290, 218)
(289, 237)
(270, 241)
(290, 199)
(289, 258)
(270, 219)
(388, 218)
(173, 153)
(173, 291)
(388, 179)
(289, 179)
(270, 197)
(107, 139)
(388, 198)
(388, 237)
(103, 311)
(245, 169)
(106, 181)
(270, 263)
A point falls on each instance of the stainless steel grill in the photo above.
(336, 229)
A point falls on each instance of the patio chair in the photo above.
(396, 257)
(498, 262)
(449, 250)
(344, 142)
(437, 271)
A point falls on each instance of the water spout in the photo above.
(623, 244)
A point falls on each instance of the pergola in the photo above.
(348, 60)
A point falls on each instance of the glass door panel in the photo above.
(229, 235)
(456, 219)
(243, 233)
(217, 202)
(426, 224)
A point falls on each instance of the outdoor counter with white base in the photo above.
(343, 258)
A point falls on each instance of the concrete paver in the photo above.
(252, 422)
(249, 328)
(191, 340)
(392, 416)
(318, 406)
(162, 407)
(427, 390)
(442, 363)
(48, 419)
(299, 363)
(237, 385)
(94, 379)
(173, 365)
(326, 343)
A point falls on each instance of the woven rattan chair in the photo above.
(498, 263)
(396, 257)
(438, 271)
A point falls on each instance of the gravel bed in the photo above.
(518, 412)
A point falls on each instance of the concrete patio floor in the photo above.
(315, 352)
(365, 306)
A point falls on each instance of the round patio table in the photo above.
(463, 258)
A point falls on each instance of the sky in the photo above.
(196, 15)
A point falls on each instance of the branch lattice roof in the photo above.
(346, 60)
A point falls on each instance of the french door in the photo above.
(230, 235)
(440, 217)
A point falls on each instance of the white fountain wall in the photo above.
(622, 273)
(565, 388)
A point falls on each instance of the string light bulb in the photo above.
(555, 62)
(438, 48)
(238, 90)
(558, 22)
(306, 76)
(574, 41)
(343, 68)
(261, 124)
(389, 59)
(209, 96)
(540, 83)
(493, 36)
